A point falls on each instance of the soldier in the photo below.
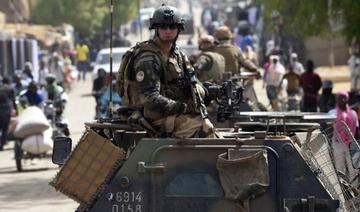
(234, 61)
(160, 85)
(234, 58)
(209, 66)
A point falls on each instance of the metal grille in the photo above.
(342, 184)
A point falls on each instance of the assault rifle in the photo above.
(198, 100)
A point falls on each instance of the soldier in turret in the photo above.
(162, 84)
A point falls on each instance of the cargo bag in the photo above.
(244, 174)
(88, 168)
(31, 121)
(38, 143)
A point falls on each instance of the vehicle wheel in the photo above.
(18, 155)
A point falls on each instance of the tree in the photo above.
(85, 15)
(310, 17)
(351, 18)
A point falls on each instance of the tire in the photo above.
(18, 155)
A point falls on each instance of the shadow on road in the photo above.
(86, 95)
(10, 170)
(19, 190)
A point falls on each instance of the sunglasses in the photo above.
(168, 26)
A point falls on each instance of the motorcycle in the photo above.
(53, 111)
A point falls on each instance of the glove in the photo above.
(258, 76)
(184, 109)
(192, 108)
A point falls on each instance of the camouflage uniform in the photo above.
(234, 58)
(210, 67)
(165, 94)
(234, 61)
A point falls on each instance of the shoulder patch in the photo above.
(140, 76)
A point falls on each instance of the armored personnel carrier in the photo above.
(274, 162)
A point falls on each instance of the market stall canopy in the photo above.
(46, 34)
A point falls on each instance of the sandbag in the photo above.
(38, 143)
(31, 121)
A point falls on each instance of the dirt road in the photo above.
(29, 190)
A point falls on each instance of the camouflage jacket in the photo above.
(163, 85)
(210, 67)
(234, 58)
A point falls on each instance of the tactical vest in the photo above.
(127, 84)
(217, 67)
(172, 78)
(229, 53)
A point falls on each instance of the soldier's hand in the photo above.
(258, 74)
(184, 108)
(192, 108)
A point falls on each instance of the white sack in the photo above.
(31, 121)
(38, 143)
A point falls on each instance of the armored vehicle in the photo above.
(273, 162)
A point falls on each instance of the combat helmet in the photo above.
(166, 15)
(50, 78)
(206, 39)
(223, 33)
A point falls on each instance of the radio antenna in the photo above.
(111, 59)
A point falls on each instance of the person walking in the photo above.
(98, 89)
(273, 79)
(43, 72)
(311, 84)
(293, 90)
(82, 55)
(354, 63)
(56, 67)
(327, 100)
(7, 104)
(341, 140)
(296, 66)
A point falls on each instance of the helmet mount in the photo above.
(166, 15)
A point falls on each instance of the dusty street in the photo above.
(29, 190)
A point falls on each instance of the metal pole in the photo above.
(139, 18)
(111, 58)
(331, 53)
(190, 6)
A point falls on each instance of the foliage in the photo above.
(85, 15)
(310, 17)
(351, 17)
